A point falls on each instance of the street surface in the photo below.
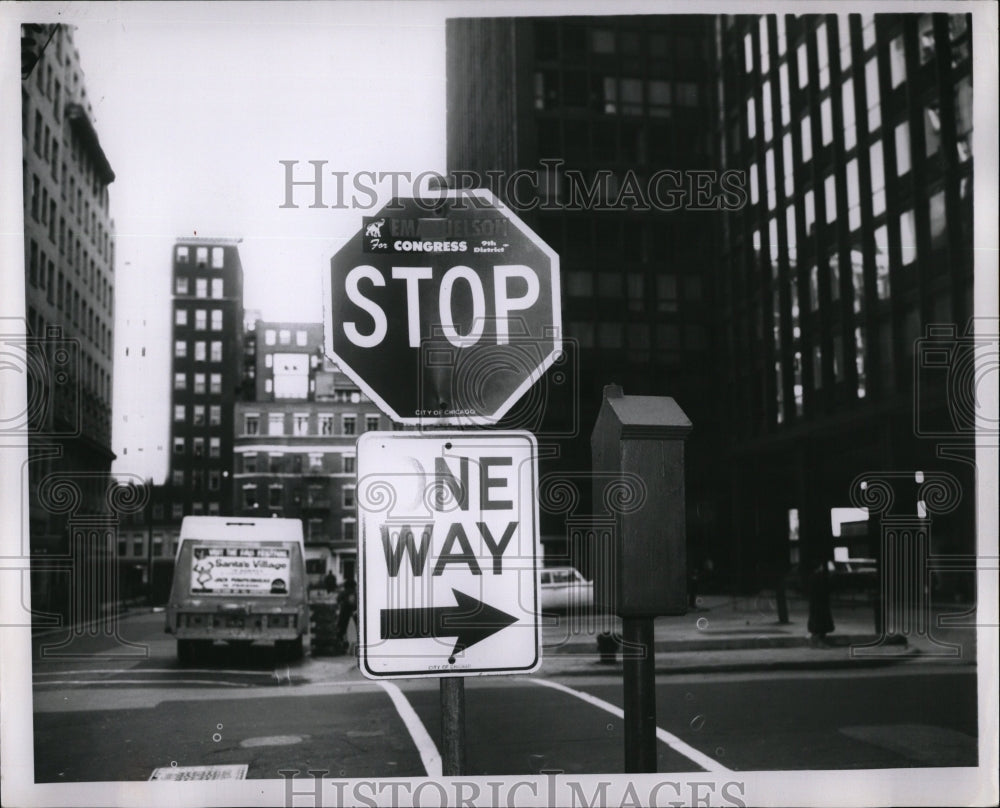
(104, 717)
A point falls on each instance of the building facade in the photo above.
(295, 454)
(69, 304)
(850, 264)
(207, 374)
(760, 216)
(599, 110)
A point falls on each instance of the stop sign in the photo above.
(445, 311)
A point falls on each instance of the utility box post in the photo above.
(641, 438)
(638, 441)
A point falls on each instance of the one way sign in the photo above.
(448, 553)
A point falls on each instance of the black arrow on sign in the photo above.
(470, 621)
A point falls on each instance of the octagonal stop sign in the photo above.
(445, 310)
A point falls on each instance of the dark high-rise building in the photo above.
(207, 376)
(614, 118)
(69, 302)
(784, 299)
(849, 267)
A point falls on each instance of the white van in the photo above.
(240, 580)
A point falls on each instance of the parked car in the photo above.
(561, 588)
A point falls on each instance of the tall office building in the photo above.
(207, 376)
(70, 282)
(850, 267)
(787, 309)
(595, 107)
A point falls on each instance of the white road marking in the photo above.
(153, 670)
(214, 682)
(429, 754)
(675, 743)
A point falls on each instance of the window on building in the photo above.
(215, 383)
(803, 65)
(872, 95)
(844, 31)
(217, 287)
(214, 480)
(754, 185)
(791, 235)
(250, 496)
(251, 424)
(850, 125)
(767, 113)
(371, 423)
(138, 546)
(182, 255)
(214, 447)
(215, 415)
(348, 496)
(199, 382)
(666, 293)
(349, 464)
(784, 100)
(275, 496)
(180, 381)
(822, 55)
(348, 529)
(902, 148)
(751, 118)
(867, 30)
(315, 461)
(925, 37)
(275, 462)
(882, 262)
(269, 336)
(180, 349)
(201, 287)
(300, 424)
(181, 285)
(301, 338)
(218, 257)
(826, 121)
(853, 195)
(932, 129)
(180, 412)
(199, 414)
(806, 132)
(325, 424)
(284, 336)
(349, 424)
(216, 355)
(216, 319)
(659, 98)
(939, 230)
(276, 423)
(180, 317)
(897, 61)
(878, 177)
(808, 212)
(250, 463)
(200, 319)
(198, 445)
(748, 52)
(201, 256)
(907, 237)
(830, 197)
(179, 446)
(177, 478)
(199, 351)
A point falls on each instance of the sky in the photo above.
(196, 107)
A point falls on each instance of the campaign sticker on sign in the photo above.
(448, 553)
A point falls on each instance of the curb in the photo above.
(760, 643)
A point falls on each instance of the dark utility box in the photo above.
(640, 558)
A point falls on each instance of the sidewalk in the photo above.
(736, 633)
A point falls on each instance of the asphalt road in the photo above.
(107, 716)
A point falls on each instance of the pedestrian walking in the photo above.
(820, 616)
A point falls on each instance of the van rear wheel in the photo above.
(289, 649)
(191, 651)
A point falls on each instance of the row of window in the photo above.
(43, 209)
(198, 414)
(316, 496)
(663, 292)
(574, 41)
(59, 292)
(296, 463)
(303, 424)
(202, 351)
(197, 446)
(133, 545)
(182, 286)
(200, 318)
(283, 336)
(665, 341)
(94, 379)
(183, 256)
(612, 95)
(199, 386)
